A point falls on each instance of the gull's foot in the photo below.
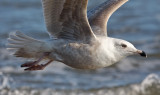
(34, 63)
(28, 64)
(37, 66)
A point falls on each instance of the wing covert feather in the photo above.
(67, 19)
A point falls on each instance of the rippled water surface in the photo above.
(138, 21)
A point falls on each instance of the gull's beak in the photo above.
(142, 53)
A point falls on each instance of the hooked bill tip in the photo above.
(143, 54)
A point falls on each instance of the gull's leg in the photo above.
(29, 64)
(38, 67)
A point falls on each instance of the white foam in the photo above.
(5, 81)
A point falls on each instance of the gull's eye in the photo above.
(124, 45)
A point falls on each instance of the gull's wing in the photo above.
(99, 16)
(67, 19)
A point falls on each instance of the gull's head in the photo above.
(125, 48)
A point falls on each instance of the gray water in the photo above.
(138, 21)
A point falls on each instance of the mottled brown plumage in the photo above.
(67, 19)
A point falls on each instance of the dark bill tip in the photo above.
(143, 54)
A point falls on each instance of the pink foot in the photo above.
(29, 64)
(37, 67)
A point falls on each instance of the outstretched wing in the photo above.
(67, 19)
(99, 16)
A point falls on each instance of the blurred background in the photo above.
(138, 21)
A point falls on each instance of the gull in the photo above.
(77, 38)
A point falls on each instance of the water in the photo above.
(137, 21)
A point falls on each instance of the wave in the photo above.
(149, 86)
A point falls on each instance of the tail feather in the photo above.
(24, 45)
(24, 37)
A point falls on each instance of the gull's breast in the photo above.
(83, 56)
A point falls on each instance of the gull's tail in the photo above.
(25, 46)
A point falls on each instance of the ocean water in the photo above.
(138, 21)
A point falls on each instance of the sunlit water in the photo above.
(138, 21)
